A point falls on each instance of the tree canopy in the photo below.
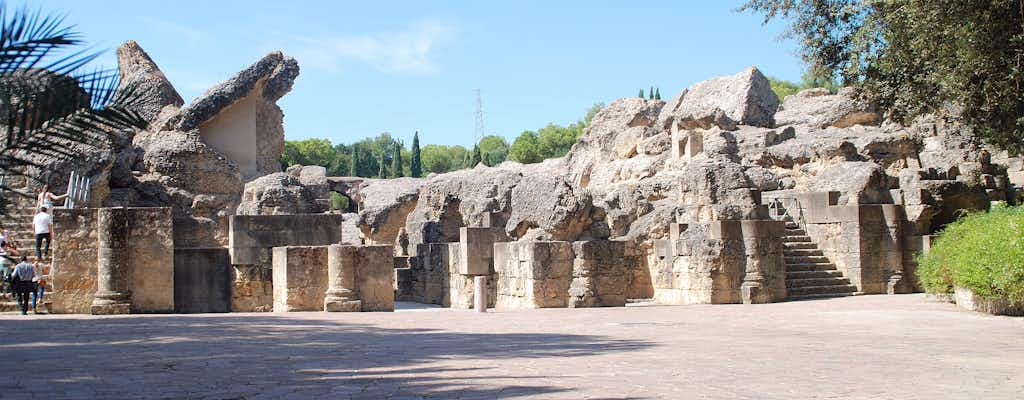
(550, 141)
(959, 59)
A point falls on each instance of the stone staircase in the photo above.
(18, 222)
(809, 274)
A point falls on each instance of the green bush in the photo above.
(983, 252)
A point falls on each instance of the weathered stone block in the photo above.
(250, 234)
(300, 278)
(533, 274)
(202, 280)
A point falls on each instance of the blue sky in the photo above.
(371, 67)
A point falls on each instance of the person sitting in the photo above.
(43, 224)
(22, 278)
(46, 199)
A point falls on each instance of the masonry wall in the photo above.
(865, 241)
(251, 240)
(719, 262)
(150, 260)
(300, 277)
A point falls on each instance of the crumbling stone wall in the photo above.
(150, 260)
(718, 263)
(252, 238)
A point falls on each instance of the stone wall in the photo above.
(300, 278)
(865, 241)
(202, 280)
(150, 260)
(720, 262)
(601, 273)
(533, 274)
(251, 240)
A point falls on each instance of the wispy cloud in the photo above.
(408, 51)
(189, 35)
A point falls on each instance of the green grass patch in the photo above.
(983, 252)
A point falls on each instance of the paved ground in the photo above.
(868, 347)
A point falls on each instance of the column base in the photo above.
(754, 293)
(341, 300)
(111, 303)
(342, 305)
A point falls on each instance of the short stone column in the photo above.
(341, 281)
(480, 293)
(112, 294)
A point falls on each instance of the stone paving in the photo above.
(866, 347)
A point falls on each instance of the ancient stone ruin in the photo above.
(723, 194)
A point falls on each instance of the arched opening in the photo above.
(340, 202)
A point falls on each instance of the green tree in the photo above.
(396, 162)
(641, 95)
(309, 152)
(526, 148)
(919, 57)
(473, 158)
(650, 93)
(493, 150)
(381, 171)
(657, 93)
(353, 167)
(415, 162)
(783, 88)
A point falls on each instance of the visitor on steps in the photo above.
(5, 273)
(43, 224)
(39, 280)
(46, 199)
(22, 277)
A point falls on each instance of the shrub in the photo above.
(983, 252)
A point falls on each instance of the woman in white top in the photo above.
(46, 199)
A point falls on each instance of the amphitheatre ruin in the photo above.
(725, 243)
(723, 194)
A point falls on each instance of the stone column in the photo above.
(112, 294)
(341, 281)
(480, 293)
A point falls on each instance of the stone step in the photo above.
(827, 289)
(796, 232)
(796, 239)
(813, 274)
(798, 245)
(806, 259)
(811, 282)
(820, 296)
(805, 252)
(809, 267)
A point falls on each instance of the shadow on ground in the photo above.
(271, 356)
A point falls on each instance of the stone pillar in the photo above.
(112, 294)
(341, 281)
(480, 293)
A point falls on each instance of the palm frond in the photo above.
(51, 104)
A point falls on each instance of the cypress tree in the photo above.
(396, 162)
(641, 93)
(476, 158)
(650, 93)
(657, 94)
(353, 165)
(382, 172)
(415, 165)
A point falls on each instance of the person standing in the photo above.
(46, 199)
(40, 277)
(22, 277)
(43, 224)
